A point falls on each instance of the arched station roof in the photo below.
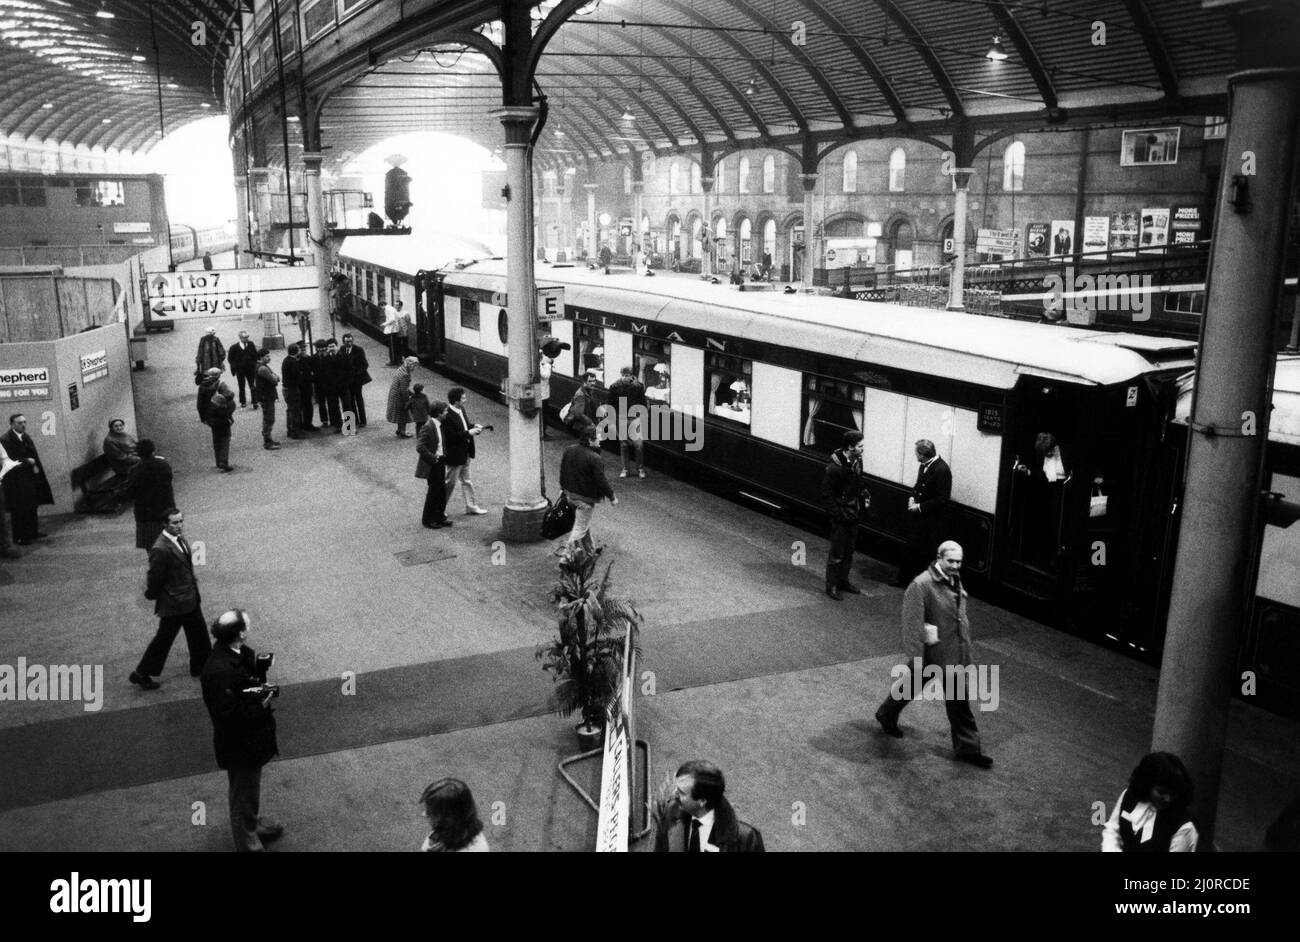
(86, 72)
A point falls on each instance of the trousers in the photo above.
(961, 721)
(221, 445)
(839, 561)
(268, 419)
(245, 795)
(460, 472)
(292, 412)
(196, 638)
(581, 532)
(358, 405)
(435, 501)
(249, 377)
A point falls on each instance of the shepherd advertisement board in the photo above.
(25, 383)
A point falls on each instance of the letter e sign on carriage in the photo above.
(185, 294)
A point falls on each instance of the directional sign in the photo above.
(185, 294)
(550, 304)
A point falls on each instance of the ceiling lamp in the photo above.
(752, 87)
(102, 12)
(48, 104)
(996, 53)
(171, 85)
(137, 56)
(106, 121)
(204, 104)
(627, 115)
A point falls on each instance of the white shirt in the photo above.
(706, 830)
(1143, 821)
(390, 319)
(175, 542)
(1053, 467)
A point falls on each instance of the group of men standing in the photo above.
(330, 380)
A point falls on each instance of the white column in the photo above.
(320, 317)
(706, 250)
(522, 518)
(960, 180)
(810, 254)
(241, 218)
(638, 250)
(591, 221)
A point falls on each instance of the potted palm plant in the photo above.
(586, 654)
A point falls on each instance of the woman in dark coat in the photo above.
(151, 488)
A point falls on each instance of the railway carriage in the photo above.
(775, 380)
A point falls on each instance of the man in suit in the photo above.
(175, 593)
(358, 376)
(433, 467)
(459, 434)
(243, 727)
(25, 486)
(699, 819)
(936, 632)
(220, 417)
(7, 464)
(319, 368)
(926, 512)
(333, 372)
(844, 495)
(306, 388)
(267, 396)
(243, 363)
(292, 370)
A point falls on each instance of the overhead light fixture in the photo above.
(106, 121)
(137, 56)
(171, 85)
(48, 104)
(293, 118)
(103, 12)
(627, 115)
(752, 87)
(204, 104)
(996, 53)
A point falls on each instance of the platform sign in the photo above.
(614, 820)
(550, 304)
(1003, 242)
(25, 382)
(185, 294)
(94, 366)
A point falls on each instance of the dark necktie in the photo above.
(693, 847)
(185, 548)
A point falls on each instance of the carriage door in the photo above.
(1042, 480)
(428, 315)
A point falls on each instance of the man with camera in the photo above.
(238, 699)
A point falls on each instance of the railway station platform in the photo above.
(744, 662)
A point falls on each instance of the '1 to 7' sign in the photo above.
(232, 291)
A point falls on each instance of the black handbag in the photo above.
(559, 518)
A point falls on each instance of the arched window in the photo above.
(769, 241)
(746, 248)
(897, 169)
(627, 180)
(548, 182)
(674, 173)
(696, 177)
(1013, 167)
(742, 180)
(850, 172)
(675, 239)
(720, 177)
(902, 238)
(769, 174)
(696, 247)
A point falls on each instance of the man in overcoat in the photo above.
(174, 590)
(25, 486)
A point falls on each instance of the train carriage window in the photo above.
(396, 292)
(591, 351)
(8, 191)
(369, 280)
(652, 363)
(381, 296)
(730, 380)
(1185, 302)
(469, 318)
(32, 193)
(830, 408)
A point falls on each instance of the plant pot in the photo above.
(589, 737)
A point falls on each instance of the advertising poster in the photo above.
(1036, 235)
(1123, 232)
(1062, 236)
(1185, 226)
(1155, 228)
(25, 382)
(1096, 233)
(94, 366)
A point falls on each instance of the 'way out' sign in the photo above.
(184, 294)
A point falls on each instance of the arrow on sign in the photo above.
(158, 284)
(159, 308)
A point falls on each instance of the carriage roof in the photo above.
(988, 351)
(1284, 420)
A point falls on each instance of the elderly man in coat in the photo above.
(25, 485)
(936, 631)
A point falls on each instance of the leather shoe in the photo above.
(850, 588)
(890, 728)
(445, 523)
(977, 759)
(474, 511)
(273, 833)
(834, 593)
(144, 681)
(271, 446)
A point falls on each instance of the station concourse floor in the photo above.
(744, 662)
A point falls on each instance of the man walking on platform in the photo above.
(582, 476)
(459, 435)
(267, 396)
(175, 593)
(937, 634)
(845, 496)
(243, 363)
(433, 467)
